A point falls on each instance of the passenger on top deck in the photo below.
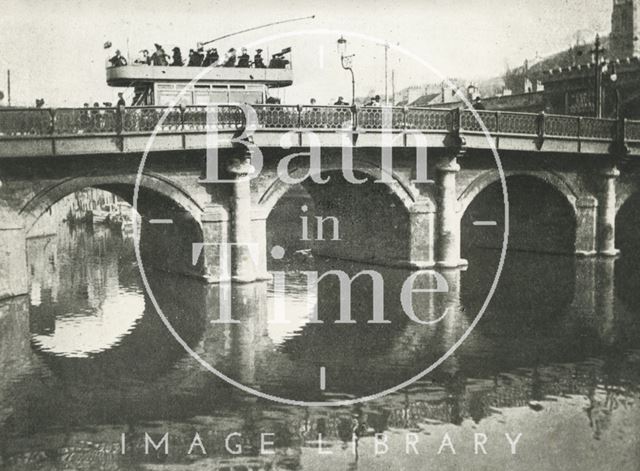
(340, 102)
(194, 59)
(211, 58)
(243, 60)
(258, 61)
(230, 60)
(177, 57)
(278, 61)
(145, 59)
(118, 60)
(159, 57)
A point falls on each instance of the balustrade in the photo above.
(29, 122)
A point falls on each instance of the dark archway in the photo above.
(164, 246)
(541, 219)
(366, 222)
(537, 280)
(627, 276)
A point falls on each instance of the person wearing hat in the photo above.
(177, 57)
(195, 58)
(121, 102)
(340, 102)
(118, 60)
(243, 60)
(211, 58)
(230, 61)
(159, 57)
(258, 61)
(145, 59)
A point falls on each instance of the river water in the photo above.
(554, 363)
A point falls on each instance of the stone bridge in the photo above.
(419, 173)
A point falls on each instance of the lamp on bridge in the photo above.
(346, 65)
(613, 76)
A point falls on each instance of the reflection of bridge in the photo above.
(418, 220)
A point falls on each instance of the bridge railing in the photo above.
(30, 122)
(25, 122)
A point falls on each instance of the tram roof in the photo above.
(129, 75)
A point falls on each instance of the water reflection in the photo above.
(558, 347)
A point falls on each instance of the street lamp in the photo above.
(613, 76)
(346, 65)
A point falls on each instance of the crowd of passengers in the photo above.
(199, 58)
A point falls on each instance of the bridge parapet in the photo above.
(554, 133)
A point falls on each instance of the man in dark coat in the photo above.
(159, 57)
(211, 58)
(243, 60)
(258, 61)
(231, 58)
(177, 57)
(121, 102)
(118, 60)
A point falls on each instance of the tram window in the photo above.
(165, 98)
(218, 96)
(242, 96)
(201, 97)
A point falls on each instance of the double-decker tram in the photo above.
(160, 85)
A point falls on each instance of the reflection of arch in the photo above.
(492, 176)
(400, 187)
(46, 198)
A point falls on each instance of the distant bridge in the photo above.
(46, 154)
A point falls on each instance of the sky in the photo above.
(54, 48)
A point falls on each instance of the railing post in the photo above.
(52, 117)
(453, 138)
(405, 110)
(119, 120)
(497, 122)
(354, 114)
(540, 130)
(579, 133)
(456, 121)
(299, 109)
(182, 109)
(619, 147)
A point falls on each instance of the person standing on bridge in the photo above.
(478, 104)
(121, 103)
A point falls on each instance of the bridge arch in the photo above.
(404, 190)
(43, 200)
(545, 214)
(378, 221)
(165, 247)
(492, 176)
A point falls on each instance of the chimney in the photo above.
(624, 29)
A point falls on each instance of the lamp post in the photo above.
(597, 51)
(345, 61)
(613, 76)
